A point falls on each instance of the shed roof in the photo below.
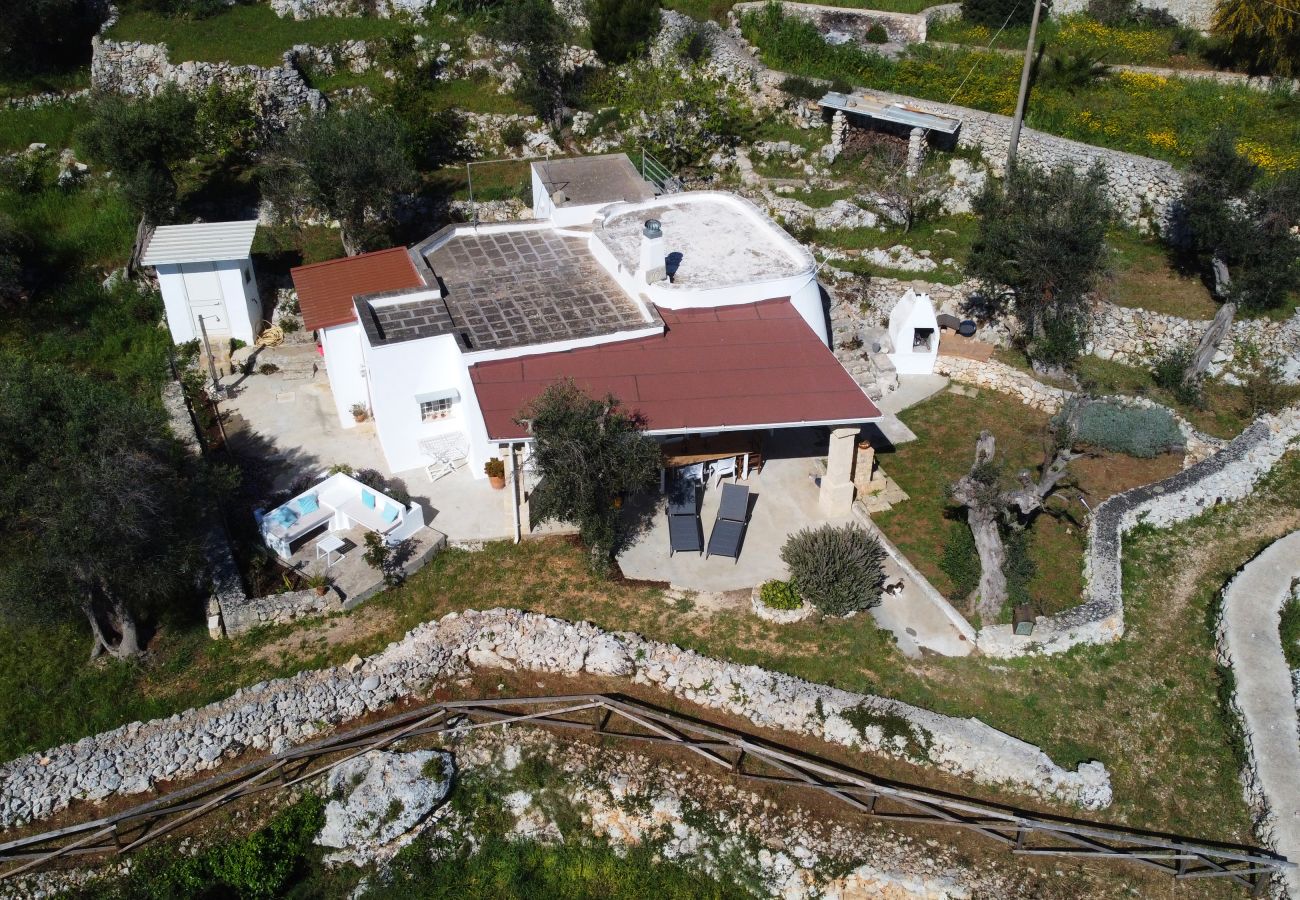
(756, 365)
(889, 111)
(325, 290)
(200, 242)
(586, 180)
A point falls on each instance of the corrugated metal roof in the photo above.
(325, 290)
(751, 366)
(201, 242)
(866, 105)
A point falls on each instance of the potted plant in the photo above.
(496, 473)
(359, 412)
(318, 582)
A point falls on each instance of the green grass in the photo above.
(945, 237)
(55, 125)
(480, 95)
(717, 10)
(1075, 33)
(1144, 277)
(48, 82)
(1143, 114)
(1289, 630)
(245, 34)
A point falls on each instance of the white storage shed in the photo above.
(205, 272)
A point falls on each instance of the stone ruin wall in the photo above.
(281, 95)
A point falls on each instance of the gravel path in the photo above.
(1250, 640)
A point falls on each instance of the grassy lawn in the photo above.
(73, 80)
(245, 34)
(947, 427)
(944, 237)
(1144, 278)
(1139, 113)
(55, 125)
(1072, 34)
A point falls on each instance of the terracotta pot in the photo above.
(498, 482)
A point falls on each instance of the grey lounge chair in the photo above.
(729, 528)
(685, 532)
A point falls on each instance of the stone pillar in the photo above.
(839, 125)
(915, 151)
(836, 498)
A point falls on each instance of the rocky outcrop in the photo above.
(311, 9)
(272, 716)
(280, 95)
(376, 801)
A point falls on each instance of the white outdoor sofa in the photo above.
(339, 502)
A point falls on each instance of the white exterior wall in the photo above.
(241, 308)
(563, 217)
(345, 364)
(398, 372)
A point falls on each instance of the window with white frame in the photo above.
(433, 410)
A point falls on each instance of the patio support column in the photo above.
(836, 498)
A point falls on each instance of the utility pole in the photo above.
(1024, 89)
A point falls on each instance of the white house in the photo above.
(206, 276)
(695, 309)
(914, 332)
(571, 191)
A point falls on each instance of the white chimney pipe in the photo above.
(653, 259)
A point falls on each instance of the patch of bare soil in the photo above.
(341, 629)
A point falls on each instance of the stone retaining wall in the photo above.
(1193, 13)
(311, 9)
(137, 69)
(1226, 476)
(902, 28)
(272, 716)
(997, 376)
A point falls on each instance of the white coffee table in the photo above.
(331, 543)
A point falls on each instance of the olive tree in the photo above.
(539, 35)
(1265, 34)
(100, 510)
(588, 454)
(352, 163)
(1040, 249)
(622, 28)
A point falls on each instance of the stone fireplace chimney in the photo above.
(653, 258)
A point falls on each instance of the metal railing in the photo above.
(659, 175)
(1022, 833)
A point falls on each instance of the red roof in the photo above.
(750, 366)
(325, 290)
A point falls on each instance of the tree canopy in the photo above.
(1264, 34)
(352, 163)
(40, 37)
(1239, 225)
(588, 454)
(999, 12)
(540, 35)
(1042, 235)
(622, 28)
(100, 521)
(142, 141)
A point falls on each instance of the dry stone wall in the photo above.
(853, 24)
(272, 716)
(137, 69)
(1227, 476)
(1192, 13)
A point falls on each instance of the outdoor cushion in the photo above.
(307, 503)
(284, 517)
(390, 512)
(368, 499)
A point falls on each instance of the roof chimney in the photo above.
(653, 264)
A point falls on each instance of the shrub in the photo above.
(268, 368)
(839, 570)
(876, 34)
(780, 595)
(1289, 628)
(803, 88)
(288, 325)
(513, 135)
(960, 562)
(1168, 374)
(1132, 430)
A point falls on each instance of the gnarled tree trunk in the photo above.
(1210, 341)
(112, 625)
(987, 506)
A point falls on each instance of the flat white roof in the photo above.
(202, 242)
(713, 239)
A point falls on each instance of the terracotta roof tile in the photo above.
(325, 290)
(739, 366)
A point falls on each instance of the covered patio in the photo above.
(784, 497)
